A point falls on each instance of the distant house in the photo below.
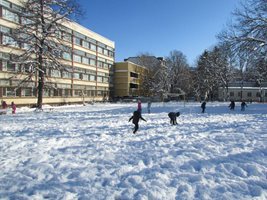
(247, 91)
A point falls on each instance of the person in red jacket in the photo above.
(4, 107)
(13, 106)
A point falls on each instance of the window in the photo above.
(85, 77)
(258, 94)
(134, 75)
(100, 64)
(66, 37)
(55, 73)
(100, 50)
(99, 79)
(92, 62)
(77, 92)
(10, 16)
(105, 65)
(10, 92)
(85, 44)
(28, 68)
(46, 92)
(93, 47)
(105, 80)
(76, 75)
(77, 41)
(9, 67)
(66, 56)
(132, 85)
(232, 94)
(105, 52)
(92, 77)
(85, 60)
(111, 54)
(9, 41)
(66, 92)
(4, 29)
(66, 74)
(77, 58)
(249, 94)
(26, 92)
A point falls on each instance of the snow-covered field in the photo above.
(90, 152)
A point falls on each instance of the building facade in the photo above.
(89, 65)
(247, 91)
(128, 78)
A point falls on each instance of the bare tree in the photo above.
(40, 36)
(179, 74)
(248, 33)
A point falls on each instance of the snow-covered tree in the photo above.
(248, 32)
(40, 34)
(179, 73)
(155, 81)
(214, 70)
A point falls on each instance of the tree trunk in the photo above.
(40, 86)
(40, 59)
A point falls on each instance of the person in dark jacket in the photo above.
(243, 105)
(232, 105)
(203, 106)
(136, 117)
(173, 116)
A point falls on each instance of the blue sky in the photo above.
(158, 26)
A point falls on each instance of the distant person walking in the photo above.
(243, 105)
(136, 117)
(232, 105)
(139, 106)
(149, 106)
(14, 107)
(203, 106)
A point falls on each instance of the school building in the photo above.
(90, 65)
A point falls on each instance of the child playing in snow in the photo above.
(173, 116)
(13, 106)
(136, 117)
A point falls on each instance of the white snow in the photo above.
(90, 152)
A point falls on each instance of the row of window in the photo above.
(84, 58)
(246, 94)
(31, 92)
(81, 74)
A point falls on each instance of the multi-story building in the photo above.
(90, 65)
(128, 78)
